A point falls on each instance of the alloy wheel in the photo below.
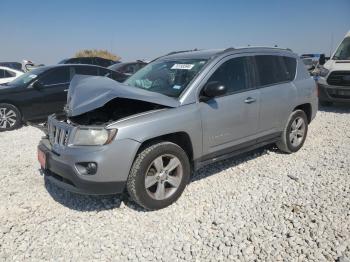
(163, 177)
(8, 118)
(297, 131)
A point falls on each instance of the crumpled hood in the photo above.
(87, 93)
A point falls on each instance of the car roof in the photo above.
(210, 53)
(88, 57)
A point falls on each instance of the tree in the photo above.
(97, 53)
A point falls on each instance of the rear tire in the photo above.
(159, 175)
(10, 117)
(294, 134)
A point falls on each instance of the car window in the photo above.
(86, 70)
(273, 69)
(233, 74)
(130, 69)
(111, 74)
(85, 60)
(122, 68)
(290, 67)
(103, 71)
(167, 77)
(9, 73)
(2, 73)
(56, 76)
(73, 61)
(103, 62)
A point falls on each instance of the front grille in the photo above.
(58, 132)
(339, 78)
(335, 93)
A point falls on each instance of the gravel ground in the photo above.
(261, 206)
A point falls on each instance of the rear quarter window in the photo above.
(273, 69)
(290, 66)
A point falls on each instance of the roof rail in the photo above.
(182, 51)
(249, 46)
(175, 52)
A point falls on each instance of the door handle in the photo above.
(249, 100)
(65, 90)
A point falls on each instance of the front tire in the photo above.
(159, 175)
(10, 117)
(294, 134)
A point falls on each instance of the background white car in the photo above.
(8, 74)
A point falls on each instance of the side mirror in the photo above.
(38, 85)
(213, 89)
(322, 59)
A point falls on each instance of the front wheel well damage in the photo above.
(182, 139)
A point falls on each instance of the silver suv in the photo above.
(177, 114)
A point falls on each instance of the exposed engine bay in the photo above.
(114, 110)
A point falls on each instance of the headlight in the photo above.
(93, 137)
(323, 72)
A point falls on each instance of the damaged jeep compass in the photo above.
(177, 114)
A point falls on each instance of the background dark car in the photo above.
(89, 61)
(43, 91)
(128, 68)
(13, 65)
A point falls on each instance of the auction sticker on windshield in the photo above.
(183, 66)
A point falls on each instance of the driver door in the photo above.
(232, 119)
(52, 96)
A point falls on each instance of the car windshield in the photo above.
(168, 77)
(27, 77)
(343, 51)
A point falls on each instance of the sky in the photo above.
(49, 31)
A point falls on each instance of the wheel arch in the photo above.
(182, 139)
(307, 108)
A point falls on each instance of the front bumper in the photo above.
(113, 165)
(330, 93)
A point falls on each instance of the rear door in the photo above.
(230, 120)
(274, 75)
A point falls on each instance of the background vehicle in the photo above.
(28, 65)
(14, 65)
(309, 64)
(8, 74)
(177, 114)
(89, 61)
(128, 68)
(43, 91)
(334, 75)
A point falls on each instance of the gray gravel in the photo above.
(261, 206)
